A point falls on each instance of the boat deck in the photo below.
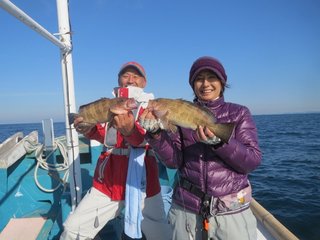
(23, 205)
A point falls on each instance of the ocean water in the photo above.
(287, 183)
(7, 130)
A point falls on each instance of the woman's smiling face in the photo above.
(207, 86)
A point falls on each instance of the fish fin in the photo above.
(164, 121)
(86, 124)
(161, 114)
(72, 117)
(224, 131)
(172, 128)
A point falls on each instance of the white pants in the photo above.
(187, 225)
(97, 209)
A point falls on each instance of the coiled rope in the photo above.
(31, 145)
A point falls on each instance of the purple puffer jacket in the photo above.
(217, 172)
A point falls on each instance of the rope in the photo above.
(31, 146)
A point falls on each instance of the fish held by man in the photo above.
(178, 112)
(102, 110)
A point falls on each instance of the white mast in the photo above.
(68, 84)
(70, 103)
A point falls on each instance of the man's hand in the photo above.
(206, 136)
(124, 123)
(82, 127)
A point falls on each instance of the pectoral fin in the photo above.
(172, 128)
(161, 114)
(73, 116)
(164, 121)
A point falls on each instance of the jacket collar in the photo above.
(210, 104)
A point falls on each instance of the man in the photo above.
(126, 174)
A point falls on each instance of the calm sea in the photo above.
(287, 183)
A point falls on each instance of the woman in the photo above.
(212, 194)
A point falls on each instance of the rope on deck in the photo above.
(52, 168)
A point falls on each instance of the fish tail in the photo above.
(224, 131)
(72, 117)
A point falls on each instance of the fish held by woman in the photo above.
(178, 112)
(102, 110)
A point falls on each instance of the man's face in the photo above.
(131, 77)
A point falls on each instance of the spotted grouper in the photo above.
(178, 112)
(102, 110)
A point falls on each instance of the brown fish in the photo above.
(102, 110)
(178, 112)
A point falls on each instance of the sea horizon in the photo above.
(260, 114)
(286, 181)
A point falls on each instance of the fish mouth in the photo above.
(132, 104)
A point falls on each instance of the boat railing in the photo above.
(15, 147)
(270, 223)
(10, 142)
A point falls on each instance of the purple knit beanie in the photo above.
(208, 63)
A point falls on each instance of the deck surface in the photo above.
(22, 229)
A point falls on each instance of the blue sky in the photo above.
(270, 50)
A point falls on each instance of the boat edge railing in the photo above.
(276, 228)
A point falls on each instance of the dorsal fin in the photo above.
(91, 103)
(204, 108)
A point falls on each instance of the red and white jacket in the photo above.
(111, 170)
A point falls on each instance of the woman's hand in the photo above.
(150, 122)
(205, 135)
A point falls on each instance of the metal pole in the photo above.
(70, 106)
(23, 17)
(68, 84)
